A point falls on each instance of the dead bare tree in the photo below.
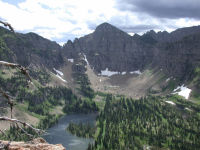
(10, 100)
(7, 25)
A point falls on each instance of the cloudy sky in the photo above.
(60, 20)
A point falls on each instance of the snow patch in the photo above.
(170, 102)
(58, 72)
(188, 109)
(108, 73)
(59, 75)
(85, 58)
(182, 91)
(71, 60)
(167, 80)
(136, 72)
(61, 78)
(123, 73)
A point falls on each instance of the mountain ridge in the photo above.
(112, 48)
(109, 47)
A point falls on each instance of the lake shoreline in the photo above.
(58, 134)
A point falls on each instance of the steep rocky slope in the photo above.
(109, 47)
(179, 58)
(176, 53)
(31, 48)
(173, 36)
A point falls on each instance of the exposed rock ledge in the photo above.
(36, 144)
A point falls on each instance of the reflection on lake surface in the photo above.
(58, 134)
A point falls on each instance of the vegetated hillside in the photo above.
(148, 123)
(49, 96)
(39, 100)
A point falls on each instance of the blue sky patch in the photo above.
(13, 2)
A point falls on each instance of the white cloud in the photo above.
(61, 20)
(186, 22)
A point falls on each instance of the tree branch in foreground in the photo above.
(38, 131)
(21, 68)
(3, 132)
(10, 102)
(6, 24)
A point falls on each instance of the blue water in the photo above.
(58, 134)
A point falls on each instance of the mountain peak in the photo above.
(105, 27)
(110, 30)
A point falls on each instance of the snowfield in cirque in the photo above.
(182, 91)
(109, 73)
(136, 72)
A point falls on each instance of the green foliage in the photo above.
(83, 81)
(41, 75)
(181, 103)
(196, 96)
(101, 94)
(5, 53)
(132, 124)
(16, 134)
(82, 130)
(81, 106)
(170, 86)
(41, 100)
(14, 83)
(48, 121)
(196, 77)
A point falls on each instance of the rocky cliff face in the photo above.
(176, 35)
(109, 47)
(177, 53)
(179, 58)
(32, 48)
(36, 144)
